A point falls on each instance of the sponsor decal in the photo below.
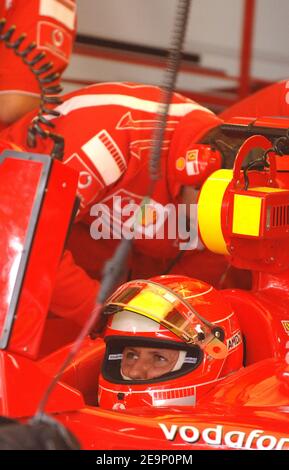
(192, 164)
(148, 215)
(285, 324)
(179, 396)
(54, 39)
(88, 184)
(118, 407)
(57, 37)
(218, 436)
(180, 164)
(8, 4)
(234, 341)
(106, 157)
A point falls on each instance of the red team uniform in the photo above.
(108, 137)
(51, 25)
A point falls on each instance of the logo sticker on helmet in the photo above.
(285, 324)
(234, 341)
(192, 164)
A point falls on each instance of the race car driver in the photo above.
(108, 134)
(51, 25)
(168, 341)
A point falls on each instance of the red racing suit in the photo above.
(270, 101)
(108, 135)
(49, 23)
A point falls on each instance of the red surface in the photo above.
(22, 188)
(250, 404)
(51, 36)
(15, 215)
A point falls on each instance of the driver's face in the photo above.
(147, 363)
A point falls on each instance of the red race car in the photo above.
(243, 214)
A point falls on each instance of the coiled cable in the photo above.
(168, 86)
(41, 125)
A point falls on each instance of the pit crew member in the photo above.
(108, 134)
(51, 25)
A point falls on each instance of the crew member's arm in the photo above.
(51, 26)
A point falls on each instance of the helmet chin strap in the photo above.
(180, 361)
(177, 366)
(125, 377)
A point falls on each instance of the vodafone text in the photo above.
(217, 436)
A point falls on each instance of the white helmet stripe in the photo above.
(131, 322)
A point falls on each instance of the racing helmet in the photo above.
(175, 313)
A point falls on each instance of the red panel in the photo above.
(23, 383)
(19, 180)
(37, 197)
(44, 258)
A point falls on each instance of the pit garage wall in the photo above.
(214, 32)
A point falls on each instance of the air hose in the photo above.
(40, 126)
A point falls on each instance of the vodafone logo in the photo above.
(57, 37)
(84, 180)
(217, 436)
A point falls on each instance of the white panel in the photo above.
(104, 153)
(61, 10)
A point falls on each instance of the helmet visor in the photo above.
(170, 310)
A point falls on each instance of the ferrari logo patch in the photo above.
(192, 163)
(285, 324)
(148, 215)
(192, 155)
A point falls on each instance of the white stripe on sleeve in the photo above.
(87, 101)
(64, 11)
(106, 156)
